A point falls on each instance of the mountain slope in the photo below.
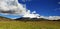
(4, 19)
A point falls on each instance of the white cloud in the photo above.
(34, 12)
(51, 17)
(54, 17)
(13, 7)
(31, 15)
(58, 2)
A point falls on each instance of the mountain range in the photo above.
(25, 19)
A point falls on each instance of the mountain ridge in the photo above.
(5, 19)
(25, 19)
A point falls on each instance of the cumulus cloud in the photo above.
(34, 12)
(11, 6)
(54, 17)
(50, 17)
(14, 7)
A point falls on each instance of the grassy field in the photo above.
(29, 25)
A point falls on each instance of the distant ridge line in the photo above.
(25, 19)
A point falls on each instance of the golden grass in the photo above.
(29, 25)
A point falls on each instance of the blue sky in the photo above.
(42, 7)
(45, 7)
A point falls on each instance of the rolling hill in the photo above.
(6, 23)
(5, 19)
(25, 19)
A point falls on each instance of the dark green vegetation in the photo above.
(6, 23)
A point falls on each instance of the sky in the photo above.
(42, 7)
(45, 7)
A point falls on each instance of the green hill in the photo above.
(6, 23)
(5, 19)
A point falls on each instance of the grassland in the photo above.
(30, 25)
